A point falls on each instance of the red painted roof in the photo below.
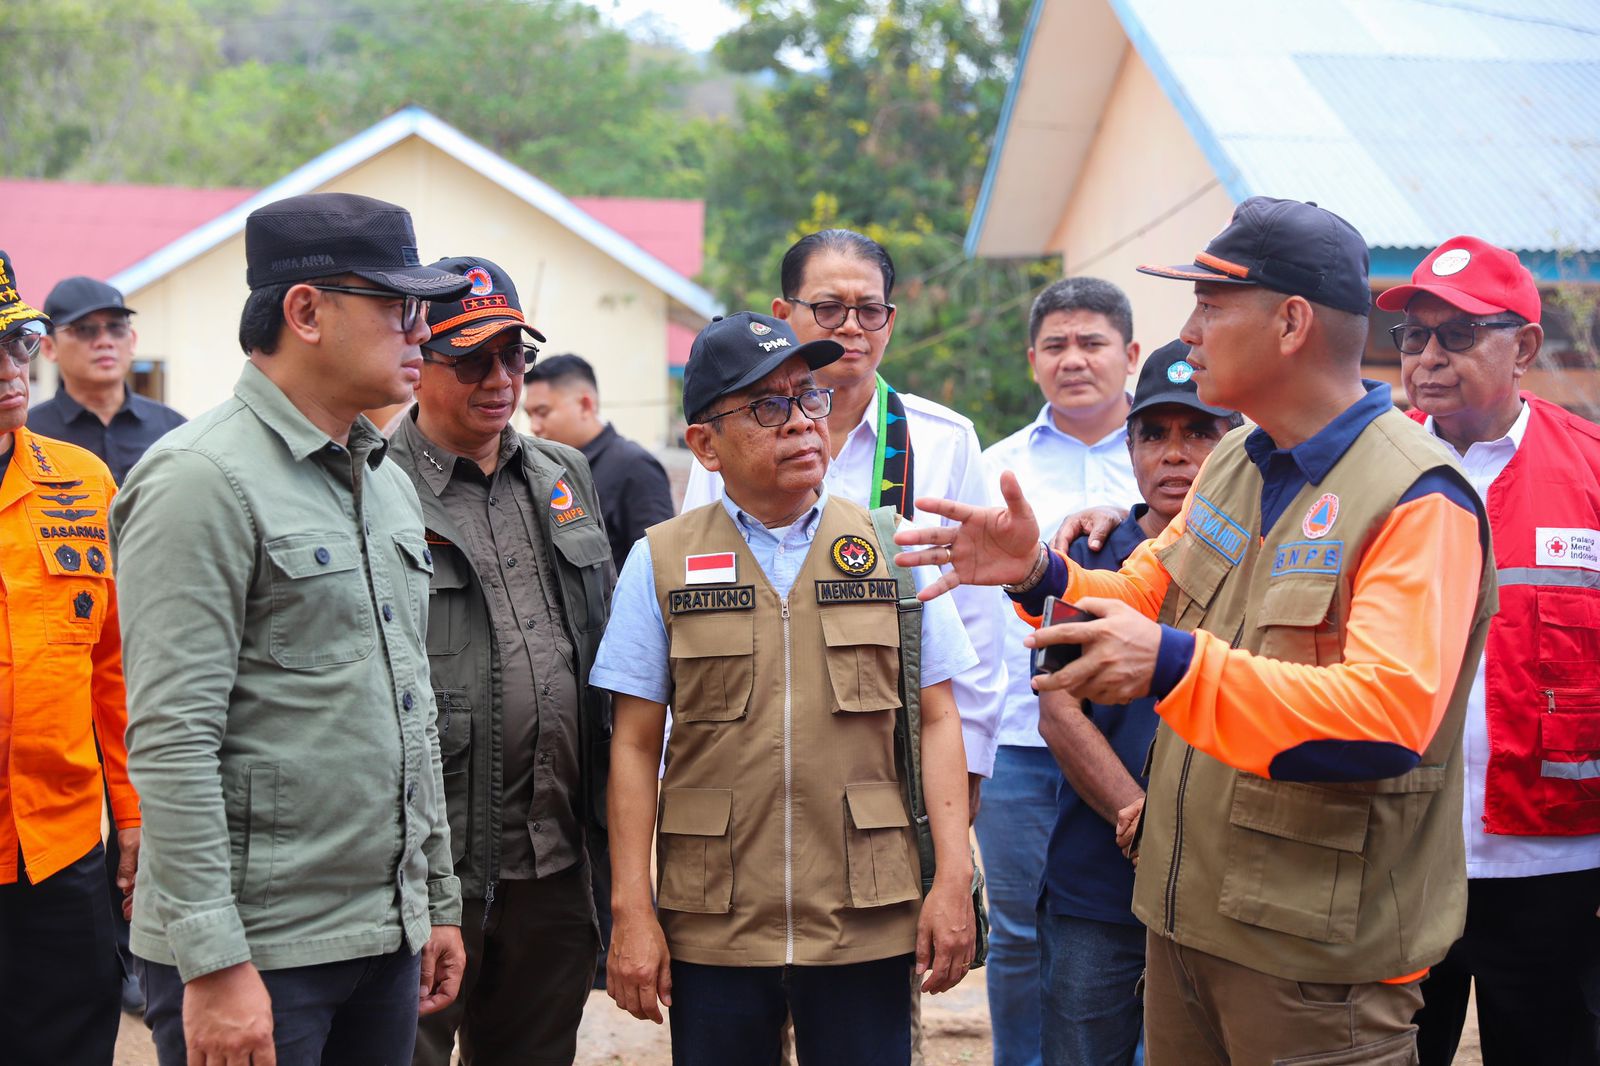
(58, 229)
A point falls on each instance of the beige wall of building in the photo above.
(582, 299)
(1146, 194)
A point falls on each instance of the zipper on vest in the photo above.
(788, 793)
(1177, 827)
(1550, 700)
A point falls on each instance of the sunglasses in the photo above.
(1453, 336)
(471, 369)
(411, 307)
(89, 332)
(23, 345)
(830, 314)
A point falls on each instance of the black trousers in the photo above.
(59, 978)
(1530, 945)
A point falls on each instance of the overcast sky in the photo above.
(695, 23)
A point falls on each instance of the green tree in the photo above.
(880, 118)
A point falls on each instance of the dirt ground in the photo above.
(957, 1024)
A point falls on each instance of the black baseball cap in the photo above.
(1287, 246)
(1167, 377)
(326, 233)
(72, 298)
(14, 313)
(741, 349)
(487, 309)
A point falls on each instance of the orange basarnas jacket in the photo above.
(60, 660)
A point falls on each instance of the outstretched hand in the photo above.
(985, 546)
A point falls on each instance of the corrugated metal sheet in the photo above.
(1415, 119)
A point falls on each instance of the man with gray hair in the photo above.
(1072, 456)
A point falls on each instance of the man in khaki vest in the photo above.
(789, 881)
(1322, 601)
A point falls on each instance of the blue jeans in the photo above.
(361, 1011)
(1088, 971)
(853, 1015)
(1015, 817)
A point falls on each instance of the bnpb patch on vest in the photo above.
(1308, 557)
(1216, 529)
(564, 507)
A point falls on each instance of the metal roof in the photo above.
(1415, 119)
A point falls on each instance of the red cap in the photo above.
(1472, 275)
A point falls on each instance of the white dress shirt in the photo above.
(1494, 854)
(1060, 475)
(947, 462)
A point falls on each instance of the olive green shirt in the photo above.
(274, 586)
(503, 536)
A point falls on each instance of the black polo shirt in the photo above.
(633, 489)
(138, 424)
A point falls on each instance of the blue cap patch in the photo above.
(1179, 372)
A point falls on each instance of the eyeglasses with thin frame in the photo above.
(411, 307)
(830, 314)
(772, 412)
(471, 369)
(22, 346)
(89, 332)
(1412, 339)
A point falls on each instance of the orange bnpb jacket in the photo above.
(60, 660)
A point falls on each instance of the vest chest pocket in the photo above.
(696, 850)
(713, 667)
(1294, 859)
(878, 845)
(321, 610)
(863, 652)
(449, 613)
(1197, 571)
(1294, 621)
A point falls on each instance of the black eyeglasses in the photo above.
(471, 369)
(1453, 336)
(774, 411)
(23, 345)
(830, 314)
(89, 332)
(411, 307)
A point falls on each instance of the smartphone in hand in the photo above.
(1049, 659)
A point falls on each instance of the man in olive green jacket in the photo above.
(295, 890)
(522, 575)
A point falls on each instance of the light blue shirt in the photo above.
(1060, 475)
(633, 656)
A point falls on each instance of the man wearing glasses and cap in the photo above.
(1532, 800)
(1308, 626)
(296, 901)
(91, 341)
(522, 574)
(60, 689)
(789, 879)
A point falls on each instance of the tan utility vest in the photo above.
(783, 835)
(1327, 882)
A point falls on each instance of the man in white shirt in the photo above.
(836, 286)
(1073, 456)
(1532, 807)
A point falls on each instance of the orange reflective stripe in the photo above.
(1407, 979)
(1411, 611)
(1215, 263)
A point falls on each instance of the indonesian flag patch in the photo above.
(715, 569)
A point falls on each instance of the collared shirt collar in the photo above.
(438, 464)
(599, 443)
(1512, 436)
(71, 409)
(262, 395)
(806, 524)
(1045, 425)
(1317, 455)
